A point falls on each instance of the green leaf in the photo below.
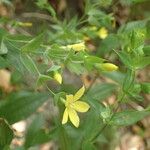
(116, 76)
(90, 61)
(88, 146)
(92, 127)
(101, 91)
(137, 38)
(19, 38)
(105, 3)
(6, 134)
(19, 106)
(141, 62)
(98, 17)
(54, 68)
(135, 1)
(42, 79)
(45, 5)
(3, 63)
(3, 48)
(20, 148)
(145, 87)
(14, 59)
(146, 50)
(112, 41)
(128, 117)
(58, 96)
(130, 26)
(35, 134)
(128, 81)
(56, 52)
(29, 63)
(33, 44)
(126, 59)
(75, 68)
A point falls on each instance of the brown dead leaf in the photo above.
(62, 6)
(86, 79)
(3, 11)
(5, 77)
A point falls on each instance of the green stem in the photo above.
(62, 100)
(92, 83)
(50, 91)
(116, 108)
(102, 129)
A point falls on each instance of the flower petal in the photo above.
(81, 106)
(79, 93)
(65, 116)
(69, 99)
(74, 118)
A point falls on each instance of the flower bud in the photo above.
(58, 77)
(86, 38)
(25, 24)
(93, 28)
(102, 33)
(108, 67)
(77, 47)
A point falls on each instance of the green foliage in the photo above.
(45, 5)
(101, 91)
(3, 48)
(35, 134)
(21, 105)
(145, 87)
(29, 63)
(6, 134)
(33, 45)
(74, 48)
(129, 117)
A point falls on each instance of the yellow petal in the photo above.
(79, 93)
(69, 99)
(74, 118)
(81, 106)
(65, 116)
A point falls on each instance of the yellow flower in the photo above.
(77, 47)
(102, 33)
(58, 77)
(74, 105)
(109, 67)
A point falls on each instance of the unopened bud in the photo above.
(58, 77)
(108, 67)
(25, 24)
(77, 47)
(102, 33)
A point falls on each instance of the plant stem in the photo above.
(117, 107)
(50, 91)
(115, 110)
(92, 83)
